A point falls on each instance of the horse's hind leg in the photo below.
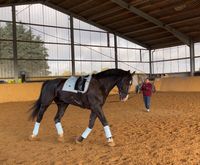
(40, 114)
(61, 110)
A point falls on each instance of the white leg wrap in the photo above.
(107, 131)
(86, 133)
(59, 128)
(36, 129)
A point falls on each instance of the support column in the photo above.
(108, 39)
(72, 44)
(116, 54)
(192, 59)
(150, 63)
(14, 31)
(140, 55)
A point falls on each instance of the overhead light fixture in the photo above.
(180, 7)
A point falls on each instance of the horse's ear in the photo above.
(133, 73)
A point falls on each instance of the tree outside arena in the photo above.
(31, 55)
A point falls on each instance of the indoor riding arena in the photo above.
(43, 40)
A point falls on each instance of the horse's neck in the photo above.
(108, 83)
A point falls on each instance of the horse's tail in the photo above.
(36, 106)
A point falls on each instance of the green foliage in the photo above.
(25, 50)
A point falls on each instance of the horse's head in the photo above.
(124, 85)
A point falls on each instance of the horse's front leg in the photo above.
(102, 118)
(85, 134)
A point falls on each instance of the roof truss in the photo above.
(182, 37)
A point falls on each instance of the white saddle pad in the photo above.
(69, 85)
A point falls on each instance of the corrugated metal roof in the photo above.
(180, 19)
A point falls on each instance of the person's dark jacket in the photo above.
(147, 89)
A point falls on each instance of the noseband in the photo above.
(122, 90)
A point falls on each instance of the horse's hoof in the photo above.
(33, 138)
(78, 140)
(111, 142)
(61, 139)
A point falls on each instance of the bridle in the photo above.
(122, 89)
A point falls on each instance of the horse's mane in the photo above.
(110, 72)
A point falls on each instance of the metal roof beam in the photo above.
(182, 37)
(185, 20)
(94, 23)
(102, 14)
(62, 3)
(166, 45)
(160, 39)
(132, 26)
(153, 35)
(120, 21)
(80, 4)
(141, 30)
(10, 3)
(154, 27)
(110, 18)
(94, 8)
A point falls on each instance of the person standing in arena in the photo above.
(147, 89)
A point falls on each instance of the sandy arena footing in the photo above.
(169, 134)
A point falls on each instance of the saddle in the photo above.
(80, 83)
(77, 84)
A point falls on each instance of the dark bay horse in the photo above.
(100, 86)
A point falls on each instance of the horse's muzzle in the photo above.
(124, 98)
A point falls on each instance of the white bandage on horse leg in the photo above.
(36, 129)
(86, 133)
(59, 128)
(107, 132)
